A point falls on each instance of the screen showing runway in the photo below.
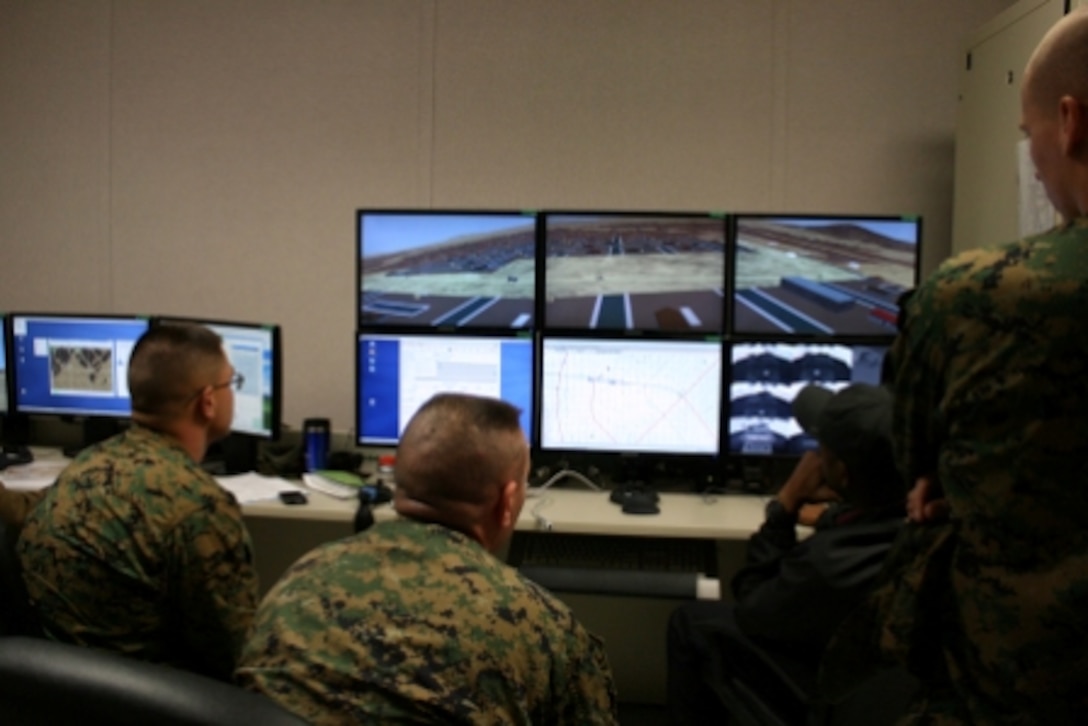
(447, 269)
(634, 272)
(822, 276)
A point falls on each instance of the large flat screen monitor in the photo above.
(634, 272)
(765, 378)
(398, 372)
(446, 269)
(830, 275)
(631, 396)
(255, 352)
(5, 380)
(74, 365)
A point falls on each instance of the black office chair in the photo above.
(769, 688)
(42, 681)
(17, 616)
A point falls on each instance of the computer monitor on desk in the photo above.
(398, 372)
(255, 351)
(632, 402)
(75, 365)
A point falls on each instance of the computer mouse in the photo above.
(644, 502)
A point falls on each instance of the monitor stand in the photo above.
(95, 429)
(15, 440)
(236, 454)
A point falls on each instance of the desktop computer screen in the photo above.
(631, 396)
(255, 352)
(73, 364)
(765, 378)
(640, 272)
(5, 382)
(438, 269)
(398, 372)
(830, 275)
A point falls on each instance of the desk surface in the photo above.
(732, 516)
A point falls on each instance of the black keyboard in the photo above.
(648, 566)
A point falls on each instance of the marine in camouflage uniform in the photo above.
(415, 622)
(136, 549)
(990, 608)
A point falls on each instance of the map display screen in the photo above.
(73, 365)
(639, 396)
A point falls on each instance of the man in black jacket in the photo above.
(792, 594)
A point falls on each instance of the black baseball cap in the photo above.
(854, 421)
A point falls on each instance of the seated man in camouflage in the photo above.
(416, 619)
(135, 548)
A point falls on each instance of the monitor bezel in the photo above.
(531, 217)
(737, 218)
(14, 406)
(460, 333)
(719, 217)
(277, 364)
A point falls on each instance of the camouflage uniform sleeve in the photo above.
(16, 505)
(917, 363)
(591, 696)
(217, 584)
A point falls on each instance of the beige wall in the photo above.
(205, 157)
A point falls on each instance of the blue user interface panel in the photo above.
(765, 379)
(73, 365)
(631, 396)
(398, 373)
(3, 367)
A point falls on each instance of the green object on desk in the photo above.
(338, 476)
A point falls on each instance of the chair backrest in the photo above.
(42, 681)
(17, 616)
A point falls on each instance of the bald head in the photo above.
(460, 449)
(1059, 65)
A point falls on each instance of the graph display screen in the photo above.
(641, 396)
(822, 276)
(398, 373)
(434, 269)
(73, 365)
(634, 272)
(765, 378)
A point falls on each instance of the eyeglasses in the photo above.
(237, 380)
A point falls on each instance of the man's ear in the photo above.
(205, 404)
(506, 508)
(1072, 120)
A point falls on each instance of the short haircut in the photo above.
(459, 448)
(1059, 65)
(169, 364)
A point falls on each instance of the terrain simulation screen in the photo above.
(631, 396)
(628, 272)
(399, 373)
(822, 276)
(765, 379)
(447, 269)
(73, 365)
